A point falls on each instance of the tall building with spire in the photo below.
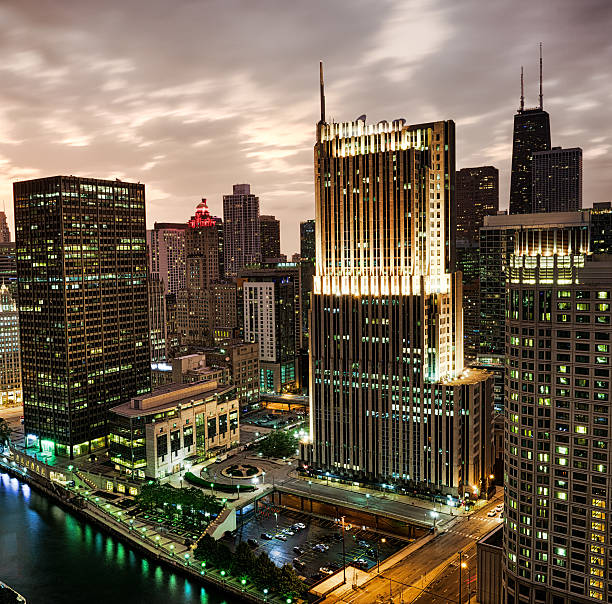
(390, 398)
(5, 234)
(531, 133)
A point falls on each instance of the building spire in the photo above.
(322, 92)
(522, 105)
(541, 95)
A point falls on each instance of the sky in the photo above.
(193, 96)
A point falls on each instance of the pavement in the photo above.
(433, 567)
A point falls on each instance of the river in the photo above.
(52, 557)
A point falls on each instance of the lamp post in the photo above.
(383, 540)
(367, 500)
(276, 520)
(434, 515)
(343, 554)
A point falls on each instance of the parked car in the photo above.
(267, 536)
(300, 525)
(492, 514)
(281, 537)
(326, 571)
(288, 532)
(298, 550)
(299, 564)
(253, 543)
(360, 563)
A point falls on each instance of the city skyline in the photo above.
(193, 124)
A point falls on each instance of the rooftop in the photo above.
(170, 396)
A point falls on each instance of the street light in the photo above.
(367, 500)
(276, 519)
(343, 553)
(434, 515)
(383, 540)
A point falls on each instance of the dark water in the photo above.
(51, 557)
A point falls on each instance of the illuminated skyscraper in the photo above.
(5, 234)
(10, 368)
(167, 256)
(83, 306)
(390, 400)
(557, 475)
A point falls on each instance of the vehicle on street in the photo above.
(298, 550)
(360, 563)
(252, 543)
(492, 514)
(267, 536)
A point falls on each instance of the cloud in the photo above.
(191, 97)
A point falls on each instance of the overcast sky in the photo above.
(192, 96)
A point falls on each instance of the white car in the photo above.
(492, 514)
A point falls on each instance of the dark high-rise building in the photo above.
(157, 320)
(240, 229)
(386, 337)
(468, 264)
(558, 483)
(83, 306)
(531, 133)
(308, 249)
(477, 197)
(269, 236)
(557, 180)
(601, 227)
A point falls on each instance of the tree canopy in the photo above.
(278, 444)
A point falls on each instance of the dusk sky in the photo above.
(192, 96)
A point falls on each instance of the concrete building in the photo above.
(272, 318)
(167, 255)
(193, 368)
(269, 237)
(8, 267)
(10, 366)
(242, 360)
(390, 400)
(241, 229)
(558, 482)
(83, 307)
(601, 227)
(557, 180)
(159, 434)
(490, 552)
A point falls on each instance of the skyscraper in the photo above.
(241, 229)
(477, 197)
(388, 392)
(558, 484)
(307, 240)
(269, 234)
(557, 180)
(601, 227)
(531, 133)
(8, 266)
(5, 234)
(167, 258)
(195, 307)
(157, 320)
(10, 368)
(83, 306)
(272, 318)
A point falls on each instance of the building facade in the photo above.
(307, 240)
(241, 237)
(157, 320)
(83, 306)
(10, 365)
(477, 197)
(152, 436)
(269, 236)
(601, 227)
(167, 255)
(558, 480)
(272, 319)
(557, 180)
(8, 267)
(390, 400)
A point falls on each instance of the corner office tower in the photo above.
(83, 307)
(390, 400)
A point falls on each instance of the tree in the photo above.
(278, 444)
(243, 560)
(5, 432)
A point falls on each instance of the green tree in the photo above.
(5, 432)
(243, 560)
(278, 444)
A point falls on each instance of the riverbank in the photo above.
(9, 596)
(124, 532)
